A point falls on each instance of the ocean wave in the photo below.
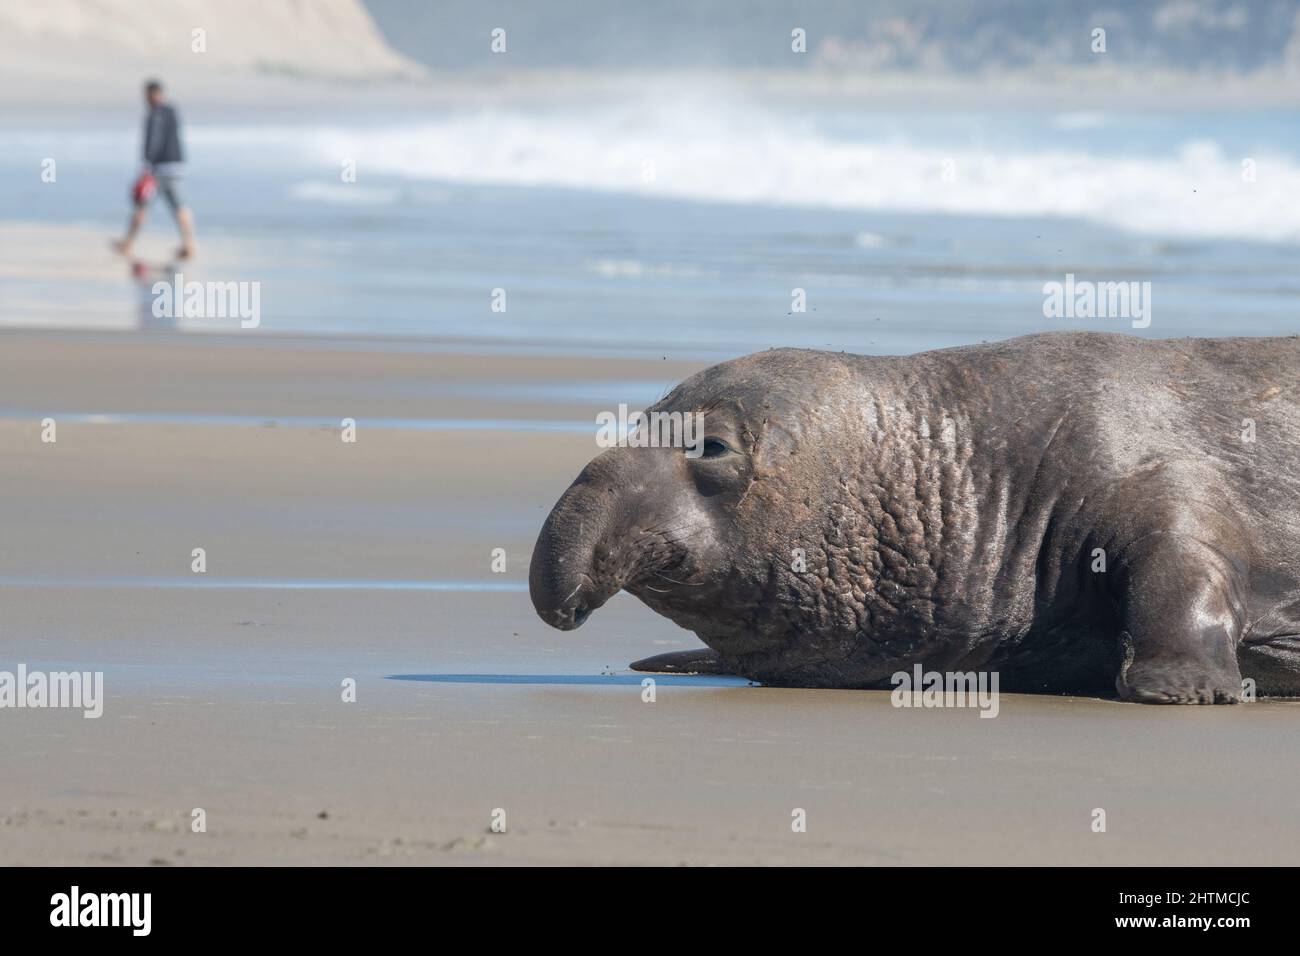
(1196, 188)
(1179, 184)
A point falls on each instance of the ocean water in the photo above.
(675, 227)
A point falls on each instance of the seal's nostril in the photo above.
(567, 618)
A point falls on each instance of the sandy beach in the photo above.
(371, 561)
(291, 526)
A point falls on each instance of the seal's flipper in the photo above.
(1182, 613)
(701, 661)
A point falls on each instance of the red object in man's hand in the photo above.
(144, 189)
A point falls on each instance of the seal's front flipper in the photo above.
(1182, 621)
(701, 661)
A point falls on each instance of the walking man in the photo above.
(163, 159)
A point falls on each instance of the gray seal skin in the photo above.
(952, 506)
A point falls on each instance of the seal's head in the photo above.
(714, 535)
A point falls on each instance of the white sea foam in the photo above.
(344, 194)
(1195, 188)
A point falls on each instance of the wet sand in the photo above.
(371, 561)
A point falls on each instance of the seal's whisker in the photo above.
(685, 584)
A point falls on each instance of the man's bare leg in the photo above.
(138, 217)
(185, 221)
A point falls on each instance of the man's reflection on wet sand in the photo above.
(144, 275)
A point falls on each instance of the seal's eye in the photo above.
(714, 448)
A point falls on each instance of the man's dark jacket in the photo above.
(162, 136)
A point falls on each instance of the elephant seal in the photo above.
(1079, 512)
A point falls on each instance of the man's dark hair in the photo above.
(153, 86)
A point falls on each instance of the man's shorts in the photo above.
(169, 189)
